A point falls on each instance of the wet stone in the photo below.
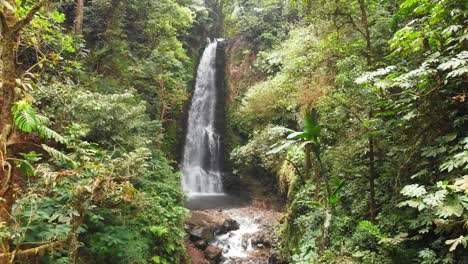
(230, 225)
(201, 244)
(200, 233)
(227, 226)
(213, 254)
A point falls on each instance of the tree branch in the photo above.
(6, 181)
(356, 26)
(33, 251)
(30, 16)
(5, 28)
(297, 170)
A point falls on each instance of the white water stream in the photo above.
(237, 244)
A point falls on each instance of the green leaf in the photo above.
(25, 117)
(48, 133)
(454, 63)
(298, 135)
(452, 207)
(335, 196)
(309, 123)
(282, 129)
(458, 72)
(281, 147)
(26, 167)
(451, 29)
(59, 156)
(413, 190)
(370, 228)
(435, 199)
(457, 241)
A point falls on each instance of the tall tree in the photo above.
(78, 23)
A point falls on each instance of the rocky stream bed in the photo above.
(243, 235)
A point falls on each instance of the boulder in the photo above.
(213, 254)
(227, 226)
(200, 233)
(261, 240)
(230, 225)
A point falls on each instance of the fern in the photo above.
(59, 156)
(25, 117)
(371, 229)
(43, 119)
(48, 133)
(28, 121)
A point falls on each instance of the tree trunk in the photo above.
(8, 79)
(372, 175)
(308, 162)
(372, 172)
(318, 177)
(79, 17)
(324, 238)
(365, 24)
(112, 20)
(10, 28)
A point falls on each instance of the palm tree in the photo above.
(309, 139)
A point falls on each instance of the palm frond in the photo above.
(25, 117)
(59, 156)
(48, 133)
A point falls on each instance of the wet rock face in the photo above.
(227, 226)
(261, 240)
(200, 233)
(213, 254)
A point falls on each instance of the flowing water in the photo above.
(236, 244)
(201, 165)
(202, 152)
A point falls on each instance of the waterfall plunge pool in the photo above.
(202, 201)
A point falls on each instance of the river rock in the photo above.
(200, 233)
(261, 240)
(276, 259)
(201, 244)
(213, 254)
(227, 226)
(245, 240)
(230, 225)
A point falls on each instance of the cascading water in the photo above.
(201, 161)
(201, 165)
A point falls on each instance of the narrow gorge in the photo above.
(224, 228)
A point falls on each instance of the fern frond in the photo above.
(59, 156)
(370, 228)
(48, 133)
(25, 117)
(43, 119)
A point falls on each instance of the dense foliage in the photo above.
(354, 112)
(93, 97)
(389, 164)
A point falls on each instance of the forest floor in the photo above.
(250, 243)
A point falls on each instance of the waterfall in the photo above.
(202, 151)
